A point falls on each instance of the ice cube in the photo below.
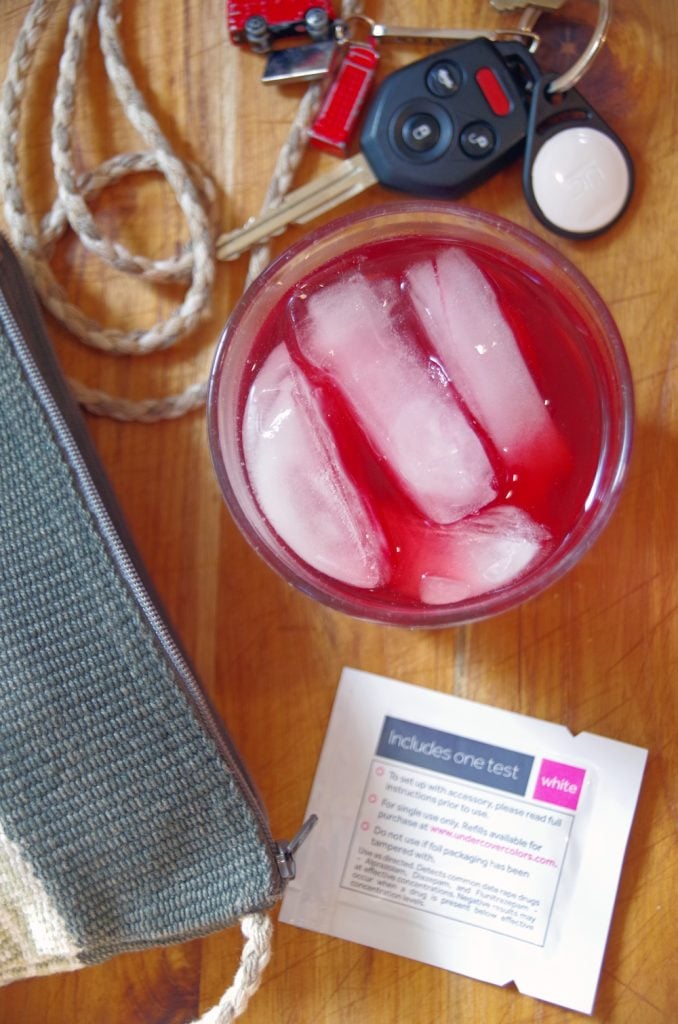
(482, 553)
(468, 331)
(409, 415)
(300, 482)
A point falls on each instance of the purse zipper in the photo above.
(23, 325)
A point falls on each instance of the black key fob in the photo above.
(442, 125)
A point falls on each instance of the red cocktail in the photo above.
(421, 414)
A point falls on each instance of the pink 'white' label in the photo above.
(559, 784)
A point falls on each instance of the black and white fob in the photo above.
(577, 175)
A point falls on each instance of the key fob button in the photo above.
(494, 92)
(421, 132)
(444, 78)
(477, 140)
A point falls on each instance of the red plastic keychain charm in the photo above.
(345, 99)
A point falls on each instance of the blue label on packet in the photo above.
(458, 756)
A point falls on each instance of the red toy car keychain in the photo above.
(261, 22)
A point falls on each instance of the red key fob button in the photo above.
(493, 91)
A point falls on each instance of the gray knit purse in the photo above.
(126, 817)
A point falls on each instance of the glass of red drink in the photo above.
(421, 414)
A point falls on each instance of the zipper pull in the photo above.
(285, 852)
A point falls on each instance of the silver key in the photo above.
(395, 33)
(349, 178)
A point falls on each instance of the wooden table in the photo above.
(597, 652)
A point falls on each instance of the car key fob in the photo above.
(442, 125)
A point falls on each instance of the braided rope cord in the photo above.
(192, 189)
(258, 931)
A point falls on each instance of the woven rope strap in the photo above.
(192, 189)
(256, 953)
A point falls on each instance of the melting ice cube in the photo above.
(409, 415)
(475, 556)
(299, 480)
(466, 328)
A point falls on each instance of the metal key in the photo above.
(437, 127)
(402, 34)
(349, 178)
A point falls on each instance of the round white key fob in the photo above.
(578, 175)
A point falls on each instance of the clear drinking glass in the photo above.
(551, 409)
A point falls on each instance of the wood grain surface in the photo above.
(597, 652)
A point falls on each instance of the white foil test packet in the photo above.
(478, 840)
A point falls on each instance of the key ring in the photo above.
(577, 174)
(342, 27)
(580, 67)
